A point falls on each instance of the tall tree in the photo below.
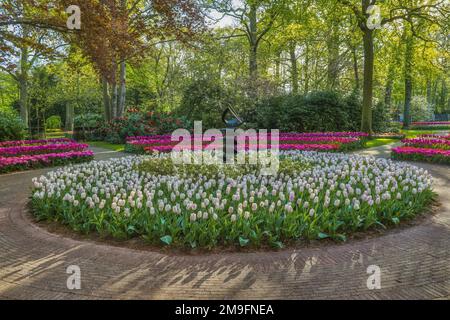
(398, 10)
(408, 74)
(23, 41)
(117, 32)
(256, 19)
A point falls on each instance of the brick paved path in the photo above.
(414, 262)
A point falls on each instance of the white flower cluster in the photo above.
(331, 182)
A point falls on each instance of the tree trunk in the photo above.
(23, 85)
(317, 76)
(277, 68)
(113, 98)
(23, 99)
(69, 117)
(434, 98)
(389, 85)
(306, 68)
(294, 69)
(106, 100)
(443, 95)
(429, 90)
(388, 94)
(122, 72)
(356, 70)
(253, 63)
(409, 52)
(407, 110)
(366, 121)
(390, 80)
(429, 99)
(122, 90)
(333, 58)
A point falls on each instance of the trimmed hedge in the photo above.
(53, 122)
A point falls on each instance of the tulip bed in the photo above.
(431, 125)
(318, 141)
(31, 154)
(429, 148)
(313, 196)
(16, 143)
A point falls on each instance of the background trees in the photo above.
(191, 57)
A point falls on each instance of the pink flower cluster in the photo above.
(431, 123)
(315, 147)
(421, 151)
(164, 141)
(288, 141)
(33, 142)
(154, 137)
(342, 140)
(435, 135)
(42, 148)
(167, 137)
(27, 154)
(429, 148)
(318, 139)
(431, 142)
(8, 164)
(168, 148)
(326, 134)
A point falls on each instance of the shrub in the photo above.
(88, 120)
(138, 123)
(420, 110)
(87, 126)
(317, 111)
(381, 119)
(353, 108)
(11, 126)
(166, 123)
(53, 122)
(205, 100)
(268, 113)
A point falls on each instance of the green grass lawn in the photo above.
(379, 142)
(408, 134)
(53, 134)
(415, 133)
(106, 145)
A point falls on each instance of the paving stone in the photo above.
(414, 262)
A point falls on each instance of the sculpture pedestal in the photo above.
(229, 145)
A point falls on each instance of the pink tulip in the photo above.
(28, 161)
(40, 149)
(34, 142)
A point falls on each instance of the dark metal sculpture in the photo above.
(234, 122)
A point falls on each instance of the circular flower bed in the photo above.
(313, 196)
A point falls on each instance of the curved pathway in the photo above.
(414, 261)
